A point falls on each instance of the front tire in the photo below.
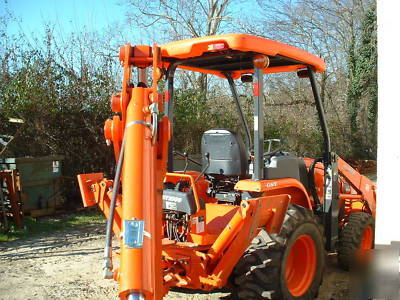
(286, 266)
(356, 234)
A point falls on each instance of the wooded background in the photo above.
(60, 84)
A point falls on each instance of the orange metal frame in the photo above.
(247, 43)
(10, 177)
(361, 192)
(206, 260)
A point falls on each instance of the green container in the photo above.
(39, 180)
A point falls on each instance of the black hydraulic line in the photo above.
(110, 220)
(321, 115)
(239, 109)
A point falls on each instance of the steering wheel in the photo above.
(270, 152)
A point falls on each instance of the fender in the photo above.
(289, 186)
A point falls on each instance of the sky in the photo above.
(67, 16)
(70, 15)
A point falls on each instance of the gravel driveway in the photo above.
(67, 265)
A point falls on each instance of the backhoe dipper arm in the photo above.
(143, 171)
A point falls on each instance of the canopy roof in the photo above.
(233, 53)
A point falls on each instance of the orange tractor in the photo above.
(255, 219)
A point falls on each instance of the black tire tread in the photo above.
(350, 237)
(256, 276)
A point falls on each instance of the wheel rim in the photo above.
(367, 238)
(301, 265)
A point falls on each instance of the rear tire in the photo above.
(357, 233)
(286, 266)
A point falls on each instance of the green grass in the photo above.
(34, 226)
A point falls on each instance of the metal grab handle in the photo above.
(153, 125)
(154, 122)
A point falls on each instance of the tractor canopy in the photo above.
(233, 53)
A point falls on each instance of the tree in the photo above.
(61, 90)
(331, 29)
(363, 90)
(181, 19)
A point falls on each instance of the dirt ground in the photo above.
(67, 265)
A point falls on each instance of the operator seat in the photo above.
(287, 165)
(227, 153)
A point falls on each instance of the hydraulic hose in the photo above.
(108, 248)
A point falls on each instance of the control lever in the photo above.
(207, 156)
(186, 156)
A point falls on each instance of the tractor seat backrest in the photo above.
(227, 153)
(287, 165)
